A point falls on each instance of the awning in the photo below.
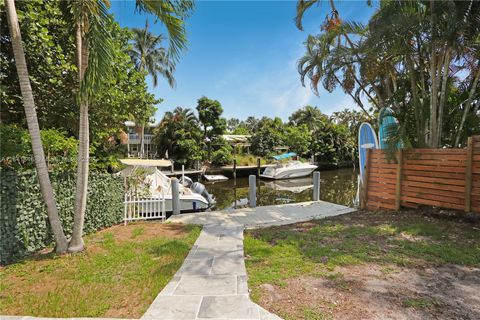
(147, 162)
(285, 156)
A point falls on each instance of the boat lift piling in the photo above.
(175, 196)
(252, 193)
(235, 183)
(316, 185)
(258, 167)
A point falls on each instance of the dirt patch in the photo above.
(372, 291)
(412, 264)
(141, 231)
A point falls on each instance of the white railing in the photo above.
(144, 208)
(135, 138)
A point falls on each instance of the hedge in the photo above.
(24, 226)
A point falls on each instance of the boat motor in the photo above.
(186, 181)
(200, 188)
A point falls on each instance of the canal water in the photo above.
(337, 186)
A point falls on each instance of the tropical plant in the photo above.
(222, 155)
(178, 136)
(409, 57)
(148, 54)
(34, 130)
(210, 116)
(93, 58)
(308, 116)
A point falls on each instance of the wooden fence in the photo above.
(447, 178)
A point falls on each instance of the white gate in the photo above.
(144, 208)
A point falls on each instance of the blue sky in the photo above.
(244, 53)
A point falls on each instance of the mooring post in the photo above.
(171, 167)
(183, 173)
(316, 185)
(235, 183)
(252, 194)
(258, 168)
(175, 196)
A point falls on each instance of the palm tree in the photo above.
(93, 57)
(308, 115)
(149, 55)
(94, 53)
(46, 190)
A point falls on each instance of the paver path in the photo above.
(212, 282)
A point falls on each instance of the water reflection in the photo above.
(337, 186)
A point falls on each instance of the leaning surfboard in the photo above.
(386, 123)
(367, 139)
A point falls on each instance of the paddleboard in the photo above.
(367, 139)
(386, 123)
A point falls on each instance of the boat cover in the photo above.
(285, 156)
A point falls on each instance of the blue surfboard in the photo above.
(367, 139)
(386, 123)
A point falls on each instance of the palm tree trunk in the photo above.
(433, 141)
(443, 92)
(413, 89)
(76, 243)
(467, 105)
(34, 130)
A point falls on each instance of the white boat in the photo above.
(215, 177)
(289, 170)
(193, 197)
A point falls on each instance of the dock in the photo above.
(266, 215)
(177, 173)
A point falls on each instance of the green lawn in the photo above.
(319, 249)
(119, 275)
(248, 160)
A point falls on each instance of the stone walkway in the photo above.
(212, 282)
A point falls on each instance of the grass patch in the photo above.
(321, 248)
(248, 160)
(119, 275)
(419, 303)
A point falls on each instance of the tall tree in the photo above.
(93, 57)
(308, 115)
(34, 130)
(210, 116)
(149, 55)
(419, 45)
(94, 53)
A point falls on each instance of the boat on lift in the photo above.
(289, 169)
(193, 195)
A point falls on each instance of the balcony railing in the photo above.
(135, 138)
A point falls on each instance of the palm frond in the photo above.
(93, 14)
(172, 14)
(302, 6)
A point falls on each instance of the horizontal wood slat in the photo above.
(433, 203)
(434, 168)
(434, 177)
(434, 186)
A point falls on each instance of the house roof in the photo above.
(147, 162)
(132, 124)
(236, 138)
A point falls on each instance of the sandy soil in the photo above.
(377, 292)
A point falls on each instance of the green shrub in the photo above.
(222, 156)
(24, 224)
